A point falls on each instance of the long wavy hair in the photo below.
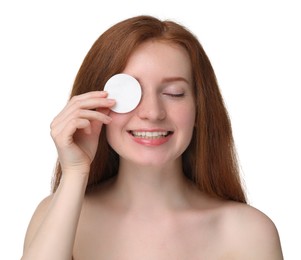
(210, 160)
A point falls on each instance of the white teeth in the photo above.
(149, 135)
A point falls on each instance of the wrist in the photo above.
(75, 177)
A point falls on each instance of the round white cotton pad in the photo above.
(126, 90)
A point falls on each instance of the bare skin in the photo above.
(198, 227)
(149, 210)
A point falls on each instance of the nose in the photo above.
(151, 107)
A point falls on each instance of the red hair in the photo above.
(210, 160)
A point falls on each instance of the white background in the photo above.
(254, 47)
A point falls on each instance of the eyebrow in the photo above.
(168, 80)
(172, 79)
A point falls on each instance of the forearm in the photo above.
(55, 236)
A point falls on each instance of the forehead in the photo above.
(160, 57)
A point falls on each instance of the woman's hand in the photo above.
(76, 129)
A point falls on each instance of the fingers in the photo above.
(95, 100)
(62, 134)
(80, 111)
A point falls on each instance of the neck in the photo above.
(150, 188)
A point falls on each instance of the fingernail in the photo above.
(111, 101)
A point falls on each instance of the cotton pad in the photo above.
(126, 90)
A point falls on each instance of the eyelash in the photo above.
(175, 95)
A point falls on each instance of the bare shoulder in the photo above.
(36, 219)
(251, 232)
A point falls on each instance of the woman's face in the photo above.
(160, 128)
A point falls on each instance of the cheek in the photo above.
(114, 129)
(189, 124)
(186, 116)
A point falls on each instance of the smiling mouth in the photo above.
(150, 135)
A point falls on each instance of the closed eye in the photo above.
(174, 95)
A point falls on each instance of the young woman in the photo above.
(158, 182)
